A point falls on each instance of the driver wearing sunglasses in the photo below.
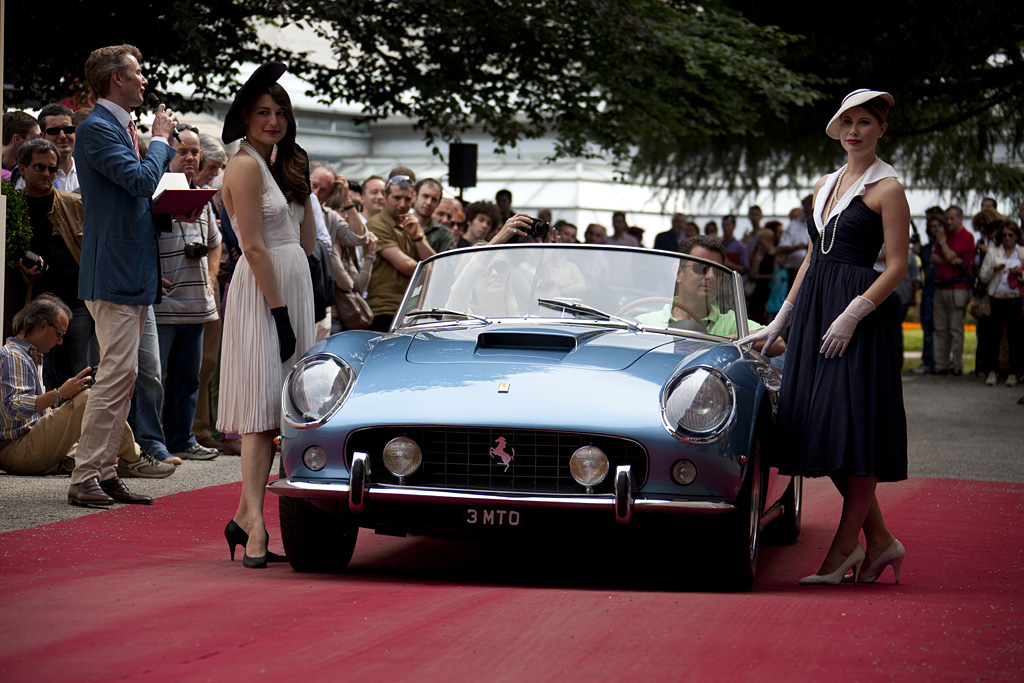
(694, 305)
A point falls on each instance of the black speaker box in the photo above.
(461, 164)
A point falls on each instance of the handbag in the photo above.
(981, 307)
(352, 309)
(349, 305)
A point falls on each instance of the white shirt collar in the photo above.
(879, 171)
(120, 113)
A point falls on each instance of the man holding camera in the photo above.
(189, 263)
(401, 245)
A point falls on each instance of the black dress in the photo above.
(843, 415)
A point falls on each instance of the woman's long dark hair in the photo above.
(291, 166)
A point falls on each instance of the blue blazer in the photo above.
(120, 258)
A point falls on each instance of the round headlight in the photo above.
(683, 472)
(402, 456)
(589, 466)
(315, 458)
(316, 387)
(698, 403)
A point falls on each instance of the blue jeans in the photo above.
(147, 401)
(78, 351)
(181, 354)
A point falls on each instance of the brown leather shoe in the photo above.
(88, 494)
(232, 446)
(116, 489)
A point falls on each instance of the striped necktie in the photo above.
(135, 137)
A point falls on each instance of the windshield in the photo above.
(615, 286)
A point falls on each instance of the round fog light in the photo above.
(684, 472)
(589, 466)
(315, 458)
(402, 457)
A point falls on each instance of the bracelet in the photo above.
(348, 208)
(60, 399)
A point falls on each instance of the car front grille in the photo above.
(462, 458)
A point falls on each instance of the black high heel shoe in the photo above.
(254, 562)
(236, 536)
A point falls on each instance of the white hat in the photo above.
(854, 99)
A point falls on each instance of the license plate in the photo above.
(487, 517)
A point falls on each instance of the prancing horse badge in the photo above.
(499, 452)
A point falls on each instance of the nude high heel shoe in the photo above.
(855, 559)
(893, 555)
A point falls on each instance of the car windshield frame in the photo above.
(452, 289)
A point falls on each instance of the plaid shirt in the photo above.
(21, 381)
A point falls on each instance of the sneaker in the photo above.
(197, 452)
(1011, 381)
(164, 456)
(924, 370)
(146, 466)
(210, 442)
(991, 379)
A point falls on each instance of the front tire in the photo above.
(314, 540)
(743, 528)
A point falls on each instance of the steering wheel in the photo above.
(663, 300)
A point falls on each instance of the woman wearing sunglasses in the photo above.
(841, 409)
(1001, 273)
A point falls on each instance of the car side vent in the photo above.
(527, 340)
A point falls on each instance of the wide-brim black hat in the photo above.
(261, 79)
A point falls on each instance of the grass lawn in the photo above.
(913, 341)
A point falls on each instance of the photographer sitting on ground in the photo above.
(38, 428)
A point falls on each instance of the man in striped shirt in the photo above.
(38, 427)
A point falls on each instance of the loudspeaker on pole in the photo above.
(461, 164)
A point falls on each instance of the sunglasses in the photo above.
(60, 332)
(184, 126)
(398, 180)
(57, 130)
(44, 167)
(500, 268)
(700, 268)
(1009, 234)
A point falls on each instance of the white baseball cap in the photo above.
(854, 99)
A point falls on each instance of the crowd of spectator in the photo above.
(371, 236)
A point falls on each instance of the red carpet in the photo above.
(149, 593)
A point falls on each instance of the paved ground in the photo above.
(959, 429)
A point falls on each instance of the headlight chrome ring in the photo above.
(315, 389)
(698, 404)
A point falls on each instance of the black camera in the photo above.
(31, 260)
(538, 228)
(196, 250)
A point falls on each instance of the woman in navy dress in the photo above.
(841, 409)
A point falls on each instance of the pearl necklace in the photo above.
(833, 201)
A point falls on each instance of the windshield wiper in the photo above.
(577, 307)
(420, 313)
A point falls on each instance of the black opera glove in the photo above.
(285, 334)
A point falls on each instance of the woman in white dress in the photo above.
(268, 316)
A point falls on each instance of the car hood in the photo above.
(596, 348)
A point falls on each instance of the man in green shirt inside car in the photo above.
(695, 305)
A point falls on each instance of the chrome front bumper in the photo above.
(359, 493)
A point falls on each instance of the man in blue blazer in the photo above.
(119, 271)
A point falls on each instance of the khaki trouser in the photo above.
(52, 439)
(118, 331)
(948, 327)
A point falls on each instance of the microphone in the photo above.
(154, 102)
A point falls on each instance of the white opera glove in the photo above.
(770, 333)
(837, 338)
